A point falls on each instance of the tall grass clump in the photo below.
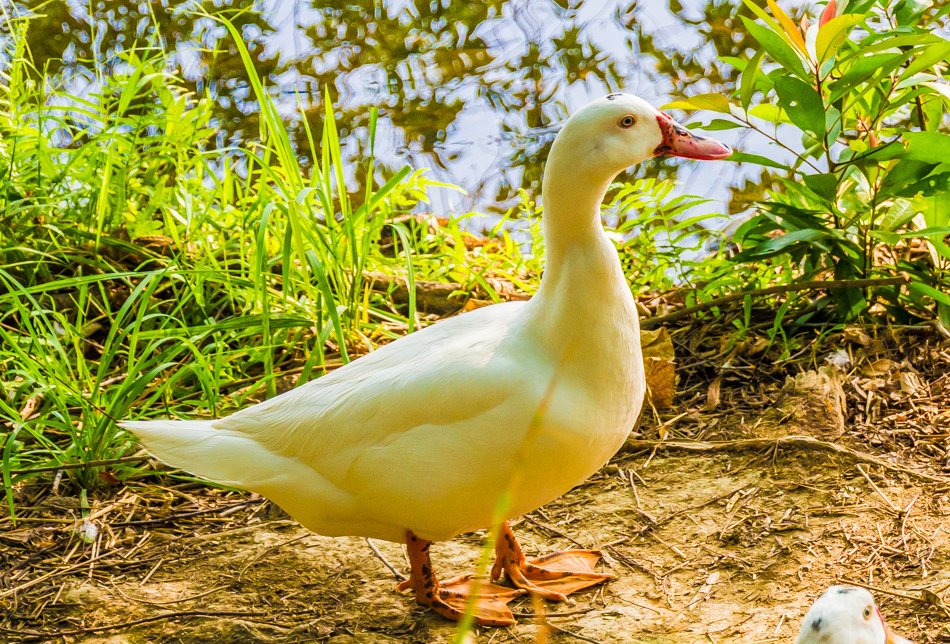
(143, 269)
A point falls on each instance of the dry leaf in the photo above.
(472, 303)
(657, 343)
(856, 335)
(712, 394)
(880, 367)
(910, 382)
(659, 367)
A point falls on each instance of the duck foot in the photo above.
(452, 599)
(553, 576)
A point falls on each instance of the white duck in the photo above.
(508, 406)
(846, 615)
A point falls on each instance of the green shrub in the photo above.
(855, 104)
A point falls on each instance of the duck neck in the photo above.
(573, 232)
(583, 308)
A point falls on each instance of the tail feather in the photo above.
(196, 446)
(229, 457)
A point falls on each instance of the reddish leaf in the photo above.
(831, 10)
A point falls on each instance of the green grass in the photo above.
(142, 274)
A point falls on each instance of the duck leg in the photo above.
(553, 576)
(453, 598)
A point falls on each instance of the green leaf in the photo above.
(744, 157)
(769, 112)
(802, 104)
(898, 215)
(931, 147)
(931, 55)
(739, 63)
(833, 33)
(777, 47)
(943, 315)
(936, 231)
(887, 40)
(849, 301)
(886, 236)
(793, 216)
(908, 11)
(763, 15)
(747, 82)
(863, 68)
(779, 245)
(715, 125)
(824, 185)
(713, 102)
(930, 291)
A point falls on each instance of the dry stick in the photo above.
(260, 557)
(171, 601)
(135, 622)
(564, 631)
(580, 611)
(185, 515)
(76, 466)
(801, 442)
(649, 323)
(929, 598)
(52, 573)
(889, 503)
(379, 555)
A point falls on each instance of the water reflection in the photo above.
(470, 89)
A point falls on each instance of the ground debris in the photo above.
(723, 518)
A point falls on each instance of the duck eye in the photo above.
(867, 612)
(628, 121)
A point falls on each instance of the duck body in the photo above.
(503, 408)
(427, 432)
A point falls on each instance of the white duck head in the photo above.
(621, 130)
(599, 142)
(846, 615)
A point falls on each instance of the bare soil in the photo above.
(718, 526)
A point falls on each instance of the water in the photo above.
(473, 90)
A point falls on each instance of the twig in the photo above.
(800, 442)
(185, 515)
(553, 530)
(372, 546)
(54, 635)
(170, 601)
(52, 573)
(564, 631)
(268, 551)
(579, 611)
(649, 323)
(76, 466)
(926, 597)
(893, 507)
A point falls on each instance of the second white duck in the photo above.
(846, 615)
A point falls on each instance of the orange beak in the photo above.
(680, 142)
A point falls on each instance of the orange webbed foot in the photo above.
(487, 602)
(553, 576)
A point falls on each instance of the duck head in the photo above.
(846, 615)
(621, 130)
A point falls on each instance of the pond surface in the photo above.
(473, 90)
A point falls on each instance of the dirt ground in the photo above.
(719, 527)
